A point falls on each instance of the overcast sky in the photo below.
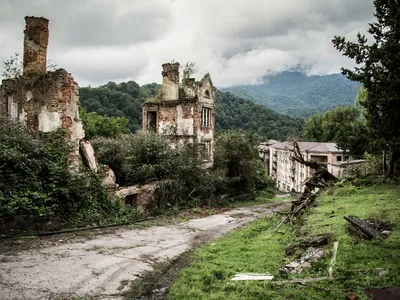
(237, 41)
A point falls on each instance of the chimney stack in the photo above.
(170, 85)
(36, 40)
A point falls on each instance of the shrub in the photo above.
(134, 159)
(36, 178)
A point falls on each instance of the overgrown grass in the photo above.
(257, 249)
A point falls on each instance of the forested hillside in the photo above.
(118, 100)
(295, 94)
(232, 112)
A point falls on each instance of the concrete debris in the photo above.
(109, 179)
(88, 155)
(138, 196)
(310, 255)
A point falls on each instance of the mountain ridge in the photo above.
(296, 94)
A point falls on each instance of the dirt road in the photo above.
(104, 266)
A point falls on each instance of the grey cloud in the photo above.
(237, 41)
(93, 22)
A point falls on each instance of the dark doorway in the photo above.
(152, 121)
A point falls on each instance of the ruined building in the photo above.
(44, 101)
(183, 114)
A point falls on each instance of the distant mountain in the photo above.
(296, 94)
(232, 112)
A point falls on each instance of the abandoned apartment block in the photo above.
(291, 175)
(183, 113)
(43, 101)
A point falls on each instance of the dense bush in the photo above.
(182, 180)
(135, 159)
(36, 178)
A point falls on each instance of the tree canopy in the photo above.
(379, 72)
(97, 125)
(232, 112)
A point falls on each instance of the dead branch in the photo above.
(319, 180)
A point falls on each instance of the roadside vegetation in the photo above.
(259, 248)
(182, 181)
(36, 179)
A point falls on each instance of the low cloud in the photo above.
(237, 42)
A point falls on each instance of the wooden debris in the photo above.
(299, 281)
(313, 241)
(252, 276)
(310, 255)
(320, 179)
(362, 228)
(334, 253)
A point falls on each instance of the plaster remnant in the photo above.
(48, 120)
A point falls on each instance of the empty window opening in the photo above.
(339, 158)
(207, 150)
(206, 94)
(152, 121)
(205, 117)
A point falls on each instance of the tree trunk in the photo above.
(384, 163)
(393, 158)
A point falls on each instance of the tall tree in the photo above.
(379, 71)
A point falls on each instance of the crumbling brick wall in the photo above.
(44, 101)
(36, 39)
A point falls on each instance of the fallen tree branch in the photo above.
(319, 179)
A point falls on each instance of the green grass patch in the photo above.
(257, 249)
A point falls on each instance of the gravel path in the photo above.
(103, 266)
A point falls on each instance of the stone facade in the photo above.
(291, 175)
(183, 114)
(44, 101)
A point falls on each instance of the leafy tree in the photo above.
(378, 70)
(236, 154)
(97, 125)
(342, 125)
(188, 70)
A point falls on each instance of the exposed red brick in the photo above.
(35, 44)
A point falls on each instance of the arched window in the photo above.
(207, 94)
